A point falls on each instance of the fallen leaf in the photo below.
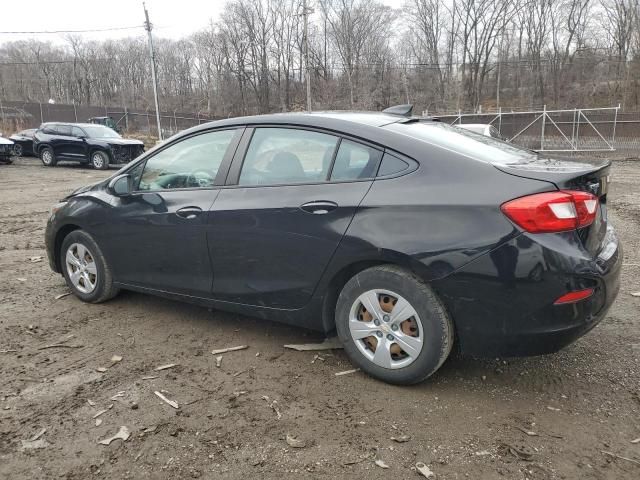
(98, 422)
(123, 434)
(62, 295)
(381, 464)
(33, 444)
(295, 442)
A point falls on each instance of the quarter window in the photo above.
(391, 165)
(191, 163)
(287, 155)
(355, 161)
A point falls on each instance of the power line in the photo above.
(46, 32)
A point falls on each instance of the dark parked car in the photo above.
(85, 143)
(405, 235)
(23, 142)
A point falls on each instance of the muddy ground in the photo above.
(469, 421)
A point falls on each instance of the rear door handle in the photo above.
(319, 207)
(189, 212)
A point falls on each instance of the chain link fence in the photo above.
(16, 116)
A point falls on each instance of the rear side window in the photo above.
(287, 156)
(355, 161)
(77, 132)
(63, 130)
(391, 165)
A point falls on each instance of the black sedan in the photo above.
(405, 235)
(23, 142)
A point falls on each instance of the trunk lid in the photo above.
(571, 174)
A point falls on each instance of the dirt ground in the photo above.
(469, 421)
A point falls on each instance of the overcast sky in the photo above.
(171, 18)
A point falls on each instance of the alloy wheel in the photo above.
(17, 150)
(386, 329)
(47, 157)
(81, 268)
(98, 160)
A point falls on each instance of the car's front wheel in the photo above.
(85, 269)
(100, 160)
(392, 325)
(48, 157)
(17, 150)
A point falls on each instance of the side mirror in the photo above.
(121, 186)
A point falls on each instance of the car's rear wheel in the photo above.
(392, 325)
(17, 150)
(100, 160)
(85, 269)
(48, 157)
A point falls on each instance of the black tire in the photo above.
(99, 160)
(17, 150)
(48, 157)
(438, 328)
(104, 287)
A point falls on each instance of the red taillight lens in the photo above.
(573, 297)
(552, 211)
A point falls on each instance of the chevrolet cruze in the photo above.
(405, 235)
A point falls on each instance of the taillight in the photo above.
(552, 211)
(573, 297)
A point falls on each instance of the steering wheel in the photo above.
(200, 178)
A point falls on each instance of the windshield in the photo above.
(98, 131)
(465, 142)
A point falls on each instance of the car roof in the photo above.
(73, 124)
(372, 119)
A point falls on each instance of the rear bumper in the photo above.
(502, 303)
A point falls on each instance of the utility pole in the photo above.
(147, 27)
(306, 11)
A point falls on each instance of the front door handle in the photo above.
(319, 207)
(189, 212)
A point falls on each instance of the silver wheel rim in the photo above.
(17, 149)
(81, 268)
(98, 161)
(386, 329)
(47, 157)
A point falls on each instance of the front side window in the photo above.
(287, 156)
(98, 131)
(191, 163)
(355, 161)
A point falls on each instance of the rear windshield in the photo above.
(465, 142)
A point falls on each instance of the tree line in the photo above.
(442, 55)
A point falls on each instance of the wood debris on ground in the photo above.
(328, 344)
(230, 349)
(166, 400)
(165, 367)
(346, 372)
